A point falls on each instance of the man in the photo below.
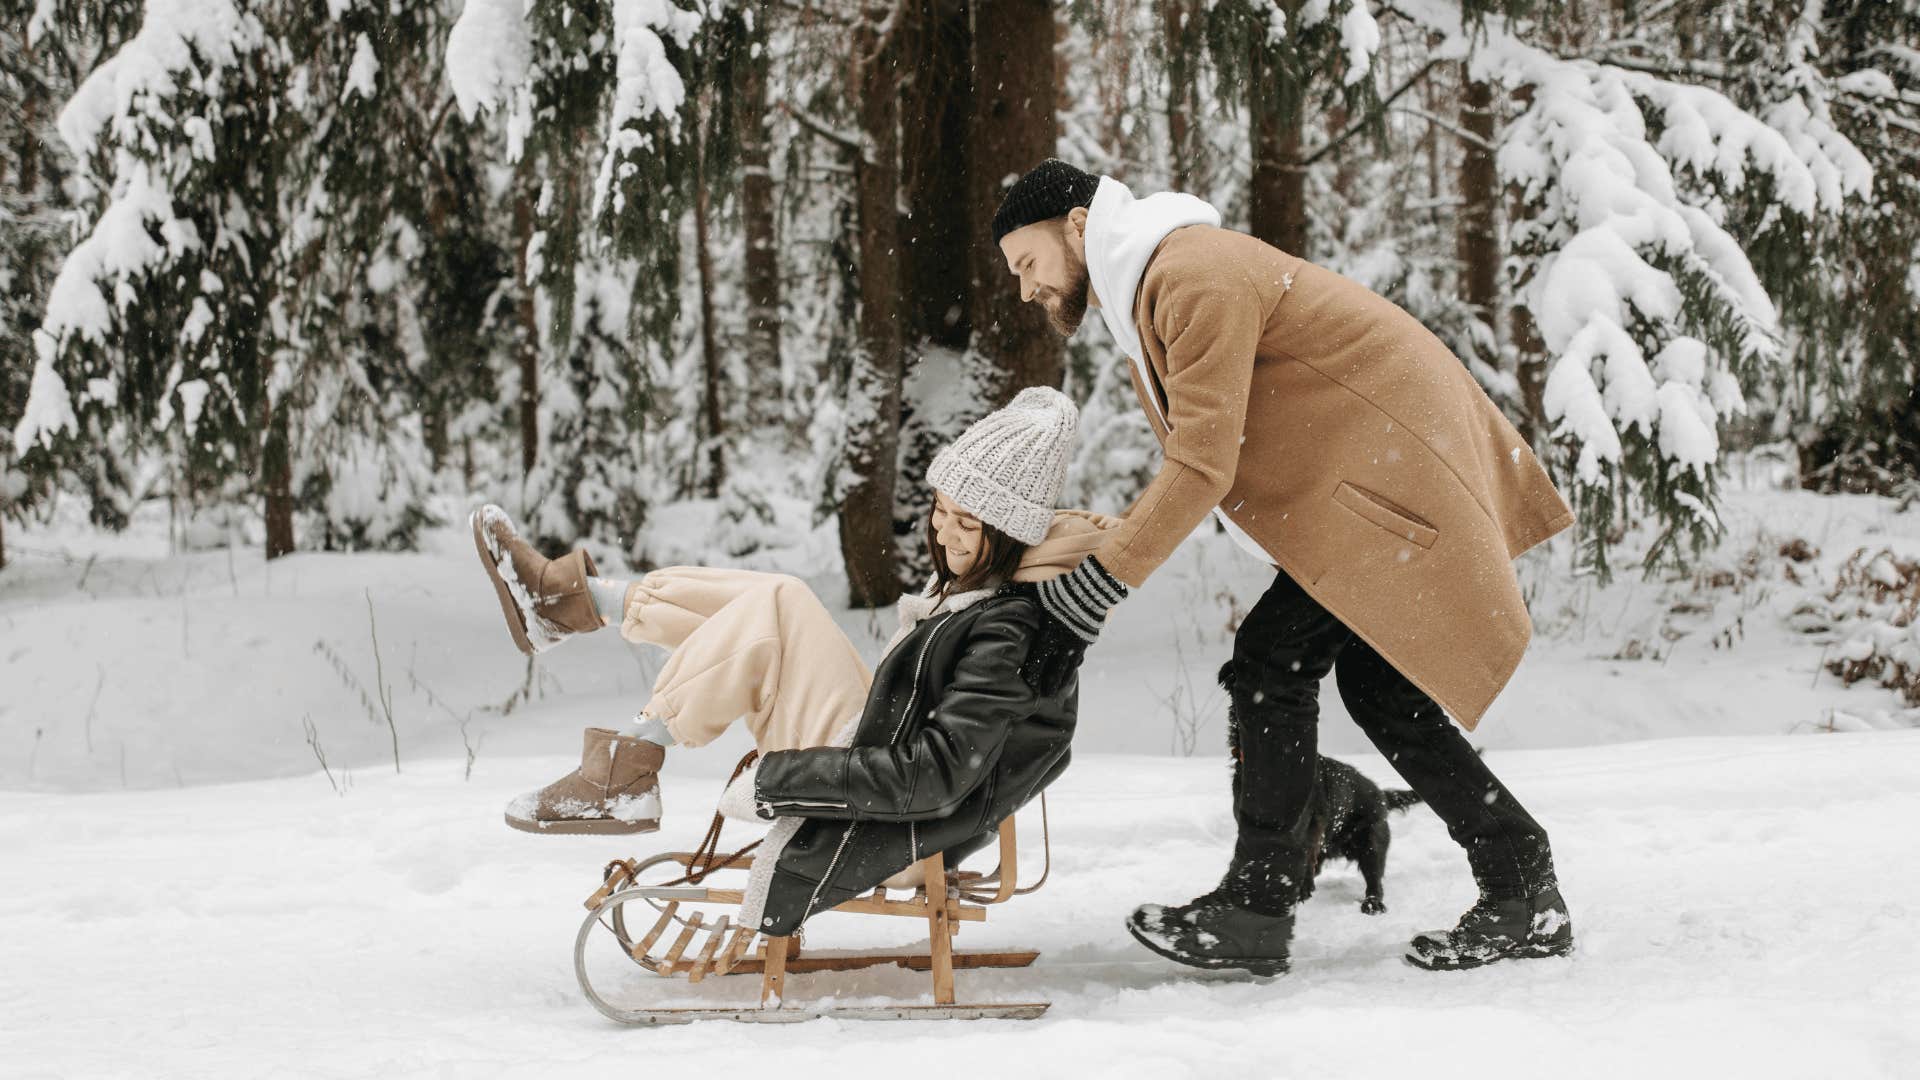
(1339, 441)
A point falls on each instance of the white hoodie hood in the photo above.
(1122, 233)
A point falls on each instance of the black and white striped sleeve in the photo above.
(1079, 599)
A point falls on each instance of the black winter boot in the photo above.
(1211, 931)
(1494, 930)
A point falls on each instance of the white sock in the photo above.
(609, 598)
(653, 729)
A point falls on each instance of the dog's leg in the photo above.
(1373, 867)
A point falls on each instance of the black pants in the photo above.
(1282, 651)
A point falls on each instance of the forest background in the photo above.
(312, 273)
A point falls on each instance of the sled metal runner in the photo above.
(674, 942)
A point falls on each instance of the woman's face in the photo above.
(958, 533)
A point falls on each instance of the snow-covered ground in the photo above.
(1746, 906)
(188, 892)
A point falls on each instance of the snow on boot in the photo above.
(616, 789)
(545, 600)
(1212, 931)
(1494, 930)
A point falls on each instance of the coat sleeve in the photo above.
(1210, 319)
(931, 770)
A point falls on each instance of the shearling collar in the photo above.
(913, 609)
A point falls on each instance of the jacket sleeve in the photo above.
(1210, 320)
(927, 773)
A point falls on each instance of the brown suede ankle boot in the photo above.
(616, 789)
(545, 600)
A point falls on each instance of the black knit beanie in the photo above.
(1049, 190)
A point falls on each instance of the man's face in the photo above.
(1049, 258)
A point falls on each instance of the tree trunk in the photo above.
(1430, 95)
(714, 423)
(1115, 57)
(757, 210)
(1277, 188)
(29, 149)
(1477, 235)
(873, 385)
(1346, 177)
(434, 433)
(1532, 374)
(277, 466)
(1530, 351)
(935, 101)
(529, 321)
(1173, 15)
(1012, 129)
(933, 52)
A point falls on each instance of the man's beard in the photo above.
(1072, 303)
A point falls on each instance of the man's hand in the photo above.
(1054, 658)
(1074, 607)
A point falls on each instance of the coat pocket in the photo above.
(1385, 514)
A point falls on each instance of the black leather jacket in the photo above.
(951, 741)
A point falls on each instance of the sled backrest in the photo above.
(1005, 878)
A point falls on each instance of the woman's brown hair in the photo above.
(999, 558)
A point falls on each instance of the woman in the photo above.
(863, 773)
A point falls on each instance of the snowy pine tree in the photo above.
(1622, 254)
(593, 96)
(1851, 72)
(35, 80)
(153, 363)
(368, 198)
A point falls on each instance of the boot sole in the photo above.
(1219, 963)
(1531, 952)
(585, 827)
(507, 605)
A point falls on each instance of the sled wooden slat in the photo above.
(686, 858)
(666, 919)
(867, 905)
(680, 943)
(963, 961)
(714, 939)
(620, 875)
(916, 908)
(735, 950)
(939, 930)
(912, 961)
(773, 980)
(1009, 872)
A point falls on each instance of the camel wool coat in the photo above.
(1344, 439)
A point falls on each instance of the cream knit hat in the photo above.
(1008, 468)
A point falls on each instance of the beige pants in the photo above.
(745, 645)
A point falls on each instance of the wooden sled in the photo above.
(699, 949)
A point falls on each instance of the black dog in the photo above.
(1348, 816)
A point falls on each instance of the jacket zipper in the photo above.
(913, 699)
(919, 666)
(802, 802)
